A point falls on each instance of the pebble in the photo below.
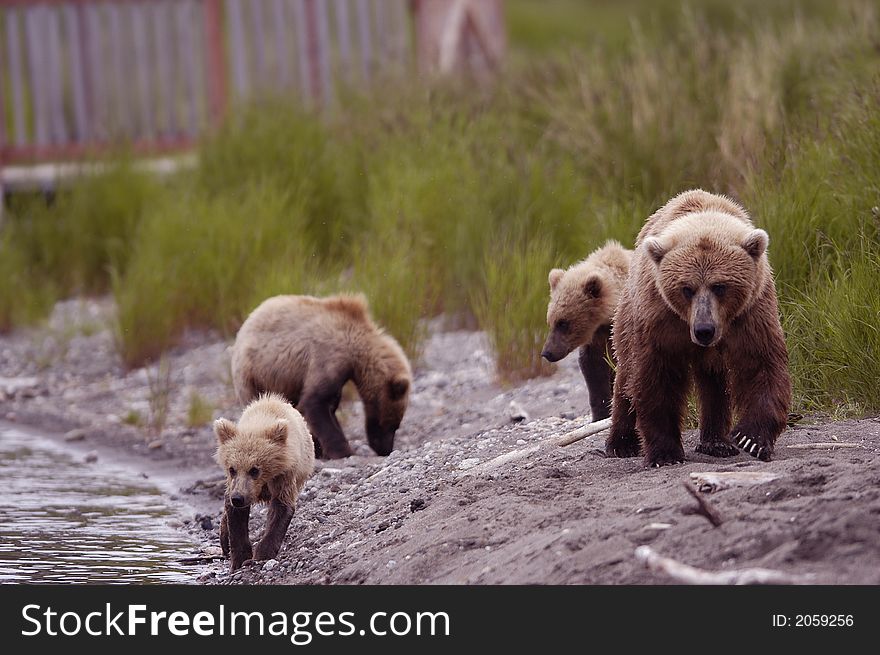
(270, 564)
(75, 435)
(91, 457)
(155, 445)
(468, 463)
(517, 413)
(417, 505)
(206, 523)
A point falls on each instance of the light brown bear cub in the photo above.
(307, 348)
(699, 303)
(582, 303)
(267, 457)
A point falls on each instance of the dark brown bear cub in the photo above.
(582, 303)
(699, 304)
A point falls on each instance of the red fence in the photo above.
(79, 75)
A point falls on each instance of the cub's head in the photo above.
(251, 458)
(580, 301)
(709, 269)
(384, 415)
(386, 394)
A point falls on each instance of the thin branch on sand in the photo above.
(691, 575)
(703, 507)
(584, 432)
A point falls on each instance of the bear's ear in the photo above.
(224, 429)
(397, 388)
(655, 249)
(756, 243)
(593, 287)
(555, 275)
(278, 431)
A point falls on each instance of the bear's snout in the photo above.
(238, 500)
(704, 333)
(550, 356)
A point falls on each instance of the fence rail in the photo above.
(77, 76)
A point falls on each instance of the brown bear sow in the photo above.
(267, 457)
(307, 348)
(582, 303)
(699, 302)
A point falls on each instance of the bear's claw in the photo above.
(717, 448)
(656, 460)
(753, 448)
(622, 448)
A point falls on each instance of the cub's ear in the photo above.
(224, 429)
(593, 287)
(397, 388)
(278, 431)
(555, 275)
(655, 249)
(756, 243)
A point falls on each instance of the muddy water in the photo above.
(64, 521)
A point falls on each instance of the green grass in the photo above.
(199, 411)
(511, 267)
(455, 200)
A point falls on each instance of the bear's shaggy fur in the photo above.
(307, 348)
(267, 457)
(699, 303)
(582, 303)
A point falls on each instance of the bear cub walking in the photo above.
(582, 303)
(267, 456)
(306, 349)
(699, 303)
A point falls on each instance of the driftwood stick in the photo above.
(691, 575)
(501, 460)
(703, 507)
(584, 432)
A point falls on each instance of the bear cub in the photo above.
(306, 349)
(267, 457)
(582, 303)
(699, 306)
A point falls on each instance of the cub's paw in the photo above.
(622, 447)
(664, 457)
(754, 446)
(240, 558)
(717, 448)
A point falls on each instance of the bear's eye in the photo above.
(687, 292)
(563, 326)
(232, 471)
(254, 472)
(718, 289)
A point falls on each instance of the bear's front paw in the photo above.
(717, 448)
(664, 457)
(755, 446)
(623, 447)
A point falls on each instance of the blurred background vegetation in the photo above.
(456, 199)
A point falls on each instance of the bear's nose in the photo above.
(237, 500)
(548, 356)
(704, 332)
